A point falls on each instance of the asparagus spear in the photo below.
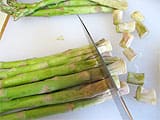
(48, 72)
(61, 82)
(7, 9)
(57, 57)
(45, 64)
(72, 10)
(50, 85)
(54, 109)
(69, 3)
(72, 94)
(118, 4)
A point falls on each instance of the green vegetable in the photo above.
(118, 4)
(54, 109)
(72, 94)
(48, 72)
(61, 7)
(50, 85)
(72, 10)
(60, 58)
(135, 78)
(46, 64)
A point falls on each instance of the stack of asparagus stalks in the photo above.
(60, 7)
(38, 87)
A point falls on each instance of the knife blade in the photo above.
(118, 99)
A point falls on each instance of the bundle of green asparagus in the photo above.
(57, 83)
(60, 7)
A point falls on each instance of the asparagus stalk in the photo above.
(47, 73)
(60, 57)
(46, 64)
(118, 4)
(72, 10)
(7, 9)
(54, 109)
(69, 3)
(72, 94)
(60, 82)
(57, 58)
(50, 85)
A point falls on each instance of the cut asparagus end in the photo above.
(130, 54)
(117, 16)
(141, 29)
(135, 78)
(110, 60)
(116, 80)
(104, 46)
(126, 27)
(118, 67)
(124, 88)
(137, 16)
(107, 54)
(126, 40)
(146, 95)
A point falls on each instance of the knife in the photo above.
(118, 99)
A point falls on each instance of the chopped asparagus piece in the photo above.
(130, 54)
(104, 45)
(126, 27)
(137, 16)
(126, 40)
(118, 67)
(117, 16)
(135, 78)
(116, 80)
(146, 95)
(110, 60)
(141, 29)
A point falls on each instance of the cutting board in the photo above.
(35, 37)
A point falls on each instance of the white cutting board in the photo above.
(34, 37)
